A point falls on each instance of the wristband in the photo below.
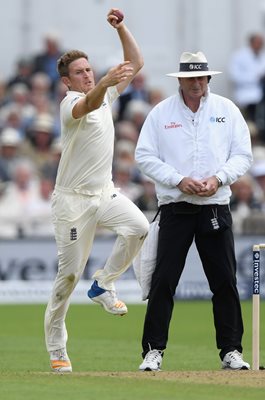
(220, 183)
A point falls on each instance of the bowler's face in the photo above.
(193, 88)
(81, 76)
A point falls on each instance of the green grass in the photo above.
(106, 350)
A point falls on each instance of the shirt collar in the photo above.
(202, 100)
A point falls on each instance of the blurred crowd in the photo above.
(30, 145)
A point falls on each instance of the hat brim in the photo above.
(194, 74)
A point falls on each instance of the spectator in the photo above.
(18, 111)
(148, 200)
(50, 168)
(60, 93)
(14, 202)
(155, 96)
(3, 95)
(4, 176)
(124, 150)
(9, 214)
(124, 153)
(247, 69)
(136, 112)
(126, 130)
(40, 96)
(39, 211)
(40, 136)
(123, 179)
(46, 61)
(12, 117)
(258, 172)
(19, 97)
(137, 90)
(10, 142)
(40, 87)
(22, 74)
(243, 202)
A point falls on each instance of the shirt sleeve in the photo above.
(147, 155)
(240, 157)
(67, 106)
(112, 94)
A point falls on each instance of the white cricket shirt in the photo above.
(176, 143)
(86, 162)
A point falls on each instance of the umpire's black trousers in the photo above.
(211, 228)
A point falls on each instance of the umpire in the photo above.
(194, 145)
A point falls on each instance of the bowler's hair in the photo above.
(66, 59)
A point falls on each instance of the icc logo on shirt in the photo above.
(217, 119)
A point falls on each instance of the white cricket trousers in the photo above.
(76, 217)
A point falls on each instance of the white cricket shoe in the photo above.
(107, 299)
(60, 361)
(152, 361)
(234, 360)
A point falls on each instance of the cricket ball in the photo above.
(119, 15)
